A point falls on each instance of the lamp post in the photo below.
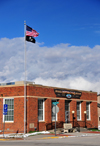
(73, 117)
(85, 118)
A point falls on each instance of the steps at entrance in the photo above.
(76, 129)
(81, 129)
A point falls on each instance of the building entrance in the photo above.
(67, 111)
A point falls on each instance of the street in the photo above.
(67, 141)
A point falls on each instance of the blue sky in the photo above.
(67, 51)
(76, 22)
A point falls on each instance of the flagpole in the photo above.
(25, 78)
(28, 38)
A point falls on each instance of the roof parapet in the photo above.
(16, 83)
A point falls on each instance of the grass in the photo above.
(33, 131)
(94, 129)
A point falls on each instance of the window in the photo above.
(53, 114)
(10, 113)
(67, 105)
(88, 110)
(41, 110)
(67, 111)
(78, 110)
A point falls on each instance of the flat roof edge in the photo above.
(21, 83)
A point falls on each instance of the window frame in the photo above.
(79, 110)
(88, 111)
(67, 105)
(43, 110)
(67, 101)
(4, 120)
(52, 112)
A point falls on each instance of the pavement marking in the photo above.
(53, 137)
(86, 135)
(4, 139)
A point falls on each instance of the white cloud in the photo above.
(63, 65)
(71, 83)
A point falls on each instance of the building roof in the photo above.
(21, 83)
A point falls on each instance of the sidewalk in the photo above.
(47, 135)
(63, 135)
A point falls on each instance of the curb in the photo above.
(86, 135)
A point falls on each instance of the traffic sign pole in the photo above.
(4, 126)
(5, 109)
(55, 104)
(55, 120)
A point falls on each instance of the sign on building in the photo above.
(67, 93)
(5, 109)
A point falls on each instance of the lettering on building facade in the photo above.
(67, 93)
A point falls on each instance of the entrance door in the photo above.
(67, 111)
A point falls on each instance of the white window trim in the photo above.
(3, 114)
(56, 114)
(80, 111)
(43, 111)
(89, 112)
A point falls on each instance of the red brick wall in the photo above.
(61, 113)
(12, 91)
(89, 96)
(41, 126)
(18, 124)
(32, 113)
(1, 113)
(40, 91)
(18, 115)
(48, 114)
(93, 115)
(32, 109)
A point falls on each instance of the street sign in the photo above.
(53, 109)
(55, 103)
(5, 109)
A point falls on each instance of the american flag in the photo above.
(31, 32)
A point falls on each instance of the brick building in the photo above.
(75, 106)
(98, 99)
